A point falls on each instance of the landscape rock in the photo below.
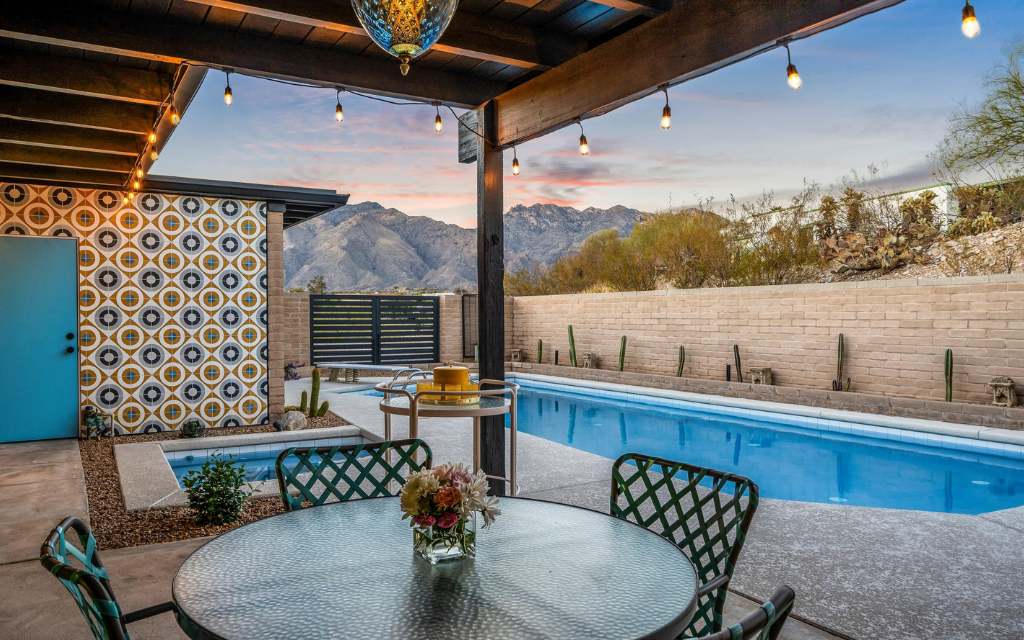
(293, 421)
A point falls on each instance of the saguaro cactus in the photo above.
(622, 352)
(949, 375)
(682, 361)
(572, 348)
(540, 351)
(736, 357)
(837, 382)
(310, 404)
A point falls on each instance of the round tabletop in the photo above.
(398, 403)
(347, 570)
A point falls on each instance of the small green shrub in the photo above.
(193, 429)
(218, 491)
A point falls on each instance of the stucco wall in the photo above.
(172, 297)
(896, 332)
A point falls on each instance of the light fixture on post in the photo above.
(405, 28)
(515, 162)
(969, 25)
(438, 123)
(793, 78)
(666, 112)
(584, 145)
(229, 97)
(339, 113)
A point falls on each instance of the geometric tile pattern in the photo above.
(172, 301)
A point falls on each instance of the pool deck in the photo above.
(862, 572)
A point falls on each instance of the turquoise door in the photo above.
(38, 338)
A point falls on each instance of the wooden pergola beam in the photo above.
(82, 77)
(694, 38)
(469, 35)
(25, 154)
(54, 136)
(80, 111)
(176, 41)
(643, 7)
(47, 174)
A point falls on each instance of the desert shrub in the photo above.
(218, 491)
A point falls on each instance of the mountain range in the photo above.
(367, 247)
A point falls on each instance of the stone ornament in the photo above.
(1004, 393)
(590, 360)
(761, 375)
(517, 355)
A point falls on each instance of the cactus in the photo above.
(556, 357)
(322, 411)
(728, 373)
(949, 375)
(736, 357)
(540, 351)
(682, 361)
(622, 352)
(304, 403)
(572, 348)
(837, 382)
(310, 405)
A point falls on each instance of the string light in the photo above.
(515, 162)
(229, 97)
(174, 115)
(136, 185)
(153, 155)
(584, 146)
(339, 113)
(793, 78)
(970, 25)
(139, 173)
(666, 112)
(438, 124)
(151, 137)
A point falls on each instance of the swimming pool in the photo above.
(788, 456)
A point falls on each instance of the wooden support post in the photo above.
(490, 266)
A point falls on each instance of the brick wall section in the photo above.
(896, 332)
(295, 333)
(960, 412)
(275, 320)
(451, 327)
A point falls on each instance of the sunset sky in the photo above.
(877, 91)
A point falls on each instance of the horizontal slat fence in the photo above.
(369, 329)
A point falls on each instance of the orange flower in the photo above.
(447, 497)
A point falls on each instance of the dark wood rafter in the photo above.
(80, 111)
(55, 136)
(26, 154)
(468, 35)
(81, 77)
(175, 41)
(694, 38)
(642, 7)
(11, 171)
(490, 266)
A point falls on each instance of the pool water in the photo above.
(787, 460)
(258, 460)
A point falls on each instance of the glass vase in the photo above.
(435, 544)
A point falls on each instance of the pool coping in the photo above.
(147, 480)
(975, 438)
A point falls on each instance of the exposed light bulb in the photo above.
(229, 97)
(136, 184)
(793, 78)
(666, 112)
(131, 196)
(515, 162)
(339, 113)
(584, 146)
(139, 172)
(153, 155)
(970, 25)
(175, 116)
(151, 137)
(438, 124)
(124, 199)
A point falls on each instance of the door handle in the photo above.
(69, 350)
(69, 336)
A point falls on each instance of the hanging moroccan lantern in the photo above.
(405, 28)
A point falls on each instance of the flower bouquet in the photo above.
(442, 504)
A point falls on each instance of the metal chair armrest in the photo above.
(715, 583)
(148, 612)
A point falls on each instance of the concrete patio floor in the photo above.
(865, 573)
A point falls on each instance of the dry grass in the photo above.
(116, 527)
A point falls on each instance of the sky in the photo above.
(877, 92)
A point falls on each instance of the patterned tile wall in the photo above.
(172, 299)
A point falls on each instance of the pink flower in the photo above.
(447, 520)
(425, 520)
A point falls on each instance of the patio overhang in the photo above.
(527, 68)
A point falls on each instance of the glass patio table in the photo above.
(347, 570)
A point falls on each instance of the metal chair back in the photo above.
(763, 624)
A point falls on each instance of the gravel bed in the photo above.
(115, 527)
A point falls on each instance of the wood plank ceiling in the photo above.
(82, 83)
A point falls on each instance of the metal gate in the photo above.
(470, 327)
(369, 329)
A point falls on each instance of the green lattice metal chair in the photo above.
(763, 624)
(70, 554)
(311, 476)
(706, 513)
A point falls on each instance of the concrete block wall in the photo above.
(896, 332)
(295, 331)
